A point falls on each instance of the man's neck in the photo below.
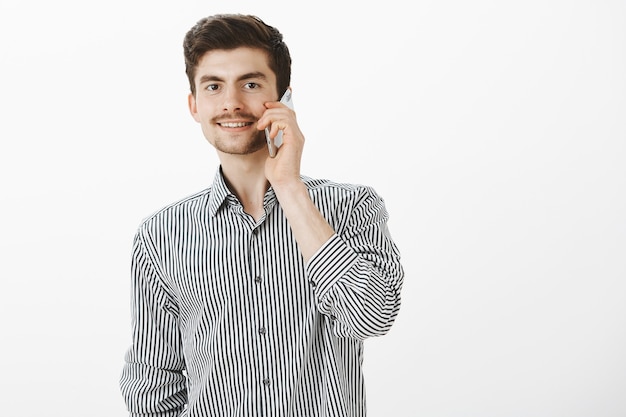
(246, 179)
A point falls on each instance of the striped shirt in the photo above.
(228, 319)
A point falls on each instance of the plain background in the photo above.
(495, 131)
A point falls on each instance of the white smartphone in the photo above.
(273, 145)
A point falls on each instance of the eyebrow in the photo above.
(247, 76)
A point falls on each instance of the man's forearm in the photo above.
(309, 227)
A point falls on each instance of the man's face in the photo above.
(231, 89)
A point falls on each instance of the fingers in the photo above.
(277, 115)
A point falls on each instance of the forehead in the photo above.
(233, 63)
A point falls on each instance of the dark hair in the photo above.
(230, 31)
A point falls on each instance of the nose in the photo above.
(232, 100)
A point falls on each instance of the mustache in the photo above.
(238, 115)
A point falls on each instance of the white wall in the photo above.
(495, 130)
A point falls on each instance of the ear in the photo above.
(193, 107)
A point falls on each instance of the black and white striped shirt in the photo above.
(228, 319)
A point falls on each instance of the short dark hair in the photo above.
(230, 31)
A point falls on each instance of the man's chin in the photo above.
(258, 144)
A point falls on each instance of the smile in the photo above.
(235, 124)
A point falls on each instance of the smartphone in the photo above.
(273, 145)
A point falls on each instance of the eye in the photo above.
(251, 85)
(211, 87)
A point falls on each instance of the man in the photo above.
(253, 297)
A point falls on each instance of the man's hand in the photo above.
(284, 168)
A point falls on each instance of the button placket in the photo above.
(259, 282)
(256, 282)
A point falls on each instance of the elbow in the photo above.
(366, 320)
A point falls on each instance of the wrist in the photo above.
(289, 189)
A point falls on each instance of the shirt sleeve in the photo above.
(357, 274)
(152, 382)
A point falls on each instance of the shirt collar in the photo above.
(221, 194)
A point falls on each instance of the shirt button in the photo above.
(262, 330)
(266, 382)
(257, 279)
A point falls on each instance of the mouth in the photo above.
(234, 124)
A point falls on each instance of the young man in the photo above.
(253, 297)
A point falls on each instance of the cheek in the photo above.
(258, 110)
(204, 110)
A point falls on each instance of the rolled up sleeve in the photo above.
(357, 274)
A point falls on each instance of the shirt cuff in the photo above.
(329, 264)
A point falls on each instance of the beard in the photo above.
(240, 144)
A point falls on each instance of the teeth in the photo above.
(239, 124)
